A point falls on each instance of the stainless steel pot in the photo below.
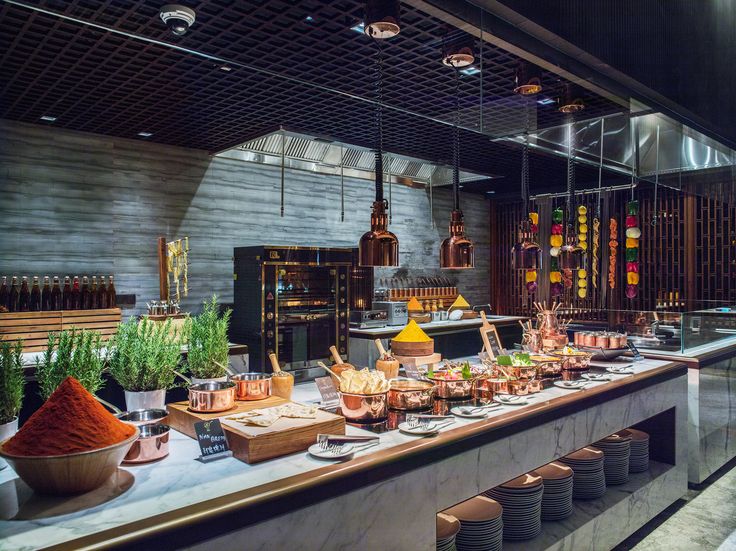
(410, 394)
(211, 397)
(252, 386)
(140, 417)
(152, 444)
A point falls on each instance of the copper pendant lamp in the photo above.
(457, 251)
(570, 101)
(380, 247)
(571, 255)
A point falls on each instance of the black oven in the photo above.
(294, 301)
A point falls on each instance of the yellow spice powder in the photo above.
(412, 333)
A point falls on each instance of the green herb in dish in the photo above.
(467, 373)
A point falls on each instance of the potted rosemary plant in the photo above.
(208, 347)
(143, 361)
(71, 353)
(12, 388)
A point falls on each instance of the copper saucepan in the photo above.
(254, 385)
(364, 408)
(211, 397)
(410, 394)
(453, 389)
(152, 444)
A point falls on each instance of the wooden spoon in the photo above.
(323, 366)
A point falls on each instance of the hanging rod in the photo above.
(583, 192)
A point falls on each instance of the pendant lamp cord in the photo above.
(600, 172)
(379, 121)
(656, 181)
(525, 163)
(456, 144)
(570, 178)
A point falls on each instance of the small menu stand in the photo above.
(212, 441)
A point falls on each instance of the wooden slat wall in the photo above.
(34, 327)
(76, 203)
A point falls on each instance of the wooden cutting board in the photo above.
(254, 444)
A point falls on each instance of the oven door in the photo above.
(305, 338)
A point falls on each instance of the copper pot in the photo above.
(519, 388)
(152, 444)
(140, 417)
(495, 386)
(453, 389)
(590, 339)
(211, 397)
(410, 394)
(364, 408)
(252, 386)
(523, 371)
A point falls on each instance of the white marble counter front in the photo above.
(180, 489)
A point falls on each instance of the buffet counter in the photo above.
(712, 404)
(384, 498)
(364, 352)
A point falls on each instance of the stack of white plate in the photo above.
(639, 458)
(521, 499)
(616, 449)
(481, 524)
(447, 529)
(589, 478)
(557, 498)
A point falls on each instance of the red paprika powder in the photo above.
(70, 421)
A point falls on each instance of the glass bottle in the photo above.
(35, 304)
(76, 294)
(102, 294)
(57, 301)
(84, 302)
(67, 298)
(93, 294)
(112, 298)
(24, 298)
(46, 295)
(14, 295)
(4, 293)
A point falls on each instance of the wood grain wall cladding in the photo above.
(84, 203)
(688, 256)
(34, 327)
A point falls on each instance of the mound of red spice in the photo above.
(70, 421)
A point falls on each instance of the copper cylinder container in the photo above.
(364, 408)
(496, 386)
(152, 444)
(410, 394)
(211, 397)
(590, 339)
(453, 389)
(252, 386)
(518, 388)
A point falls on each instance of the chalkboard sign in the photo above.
(492, 342)
(412, 371)
(212, 440)
(327, 389)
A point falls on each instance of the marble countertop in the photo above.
(180, 489)
(435, 327)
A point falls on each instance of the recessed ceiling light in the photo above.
(145, 134)
(359, 28)
(490, 192)
(226, 68)
(470, 71)
(48, 118)
(545, 101)
(309, 19)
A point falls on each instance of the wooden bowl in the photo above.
(420, 317)
(74, 473)
(399, 348)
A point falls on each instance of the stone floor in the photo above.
(705, 519)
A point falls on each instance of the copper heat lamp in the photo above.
(380, 247)
(457, 251)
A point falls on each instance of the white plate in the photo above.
(571, 385)
(621, 370)
(431, 428)
(517, 401)
(316, 451)
(476, 413)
